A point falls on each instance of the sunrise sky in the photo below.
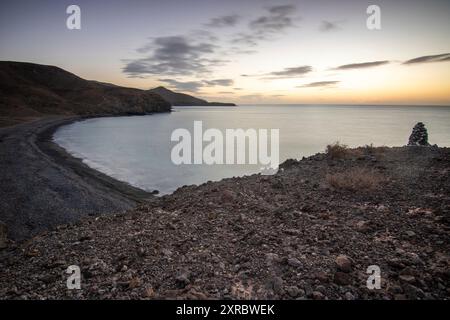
(244, 51)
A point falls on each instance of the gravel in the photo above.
(287, 236)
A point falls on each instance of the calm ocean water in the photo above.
(137, 149)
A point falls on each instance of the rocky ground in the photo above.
(42, 186)
(308, 232)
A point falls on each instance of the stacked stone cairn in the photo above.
(419, 136)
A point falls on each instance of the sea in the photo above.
(138, 149)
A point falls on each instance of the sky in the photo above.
(244, 51)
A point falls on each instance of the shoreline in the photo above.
(45, 186)
(44, 140)
(308, 232)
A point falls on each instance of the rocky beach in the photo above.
(308, 232)
(43, 186)
(225, 158)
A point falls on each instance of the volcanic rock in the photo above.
(343, 263)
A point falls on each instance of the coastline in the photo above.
(295, 235)
(303, 233)
(44, 186)
(60, 155)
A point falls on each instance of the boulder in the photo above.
(343, 263)
(183, 279)
(293, 291)
(293, 262)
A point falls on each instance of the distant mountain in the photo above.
(33, 90)
(182, 99)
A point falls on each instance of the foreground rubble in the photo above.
(294, 235)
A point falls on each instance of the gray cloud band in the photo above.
(195, 86)
(433, 58)
(323, 84)
(174, 55)
(362, 65)
(277, 19)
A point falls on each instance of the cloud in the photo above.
(224, 21)
(277, 19)
(292, 72)
(237, 50)
(362, 65)
(203, 35)
(319, 84)
(219, 82)
(173, 55)
(195, 86)
(190, 86)
(327, 26)
(433, 58)
(247, 39)
(195, 54)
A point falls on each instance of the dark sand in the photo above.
(42, 186)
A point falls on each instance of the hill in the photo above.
(182, 99)
(33, 90)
